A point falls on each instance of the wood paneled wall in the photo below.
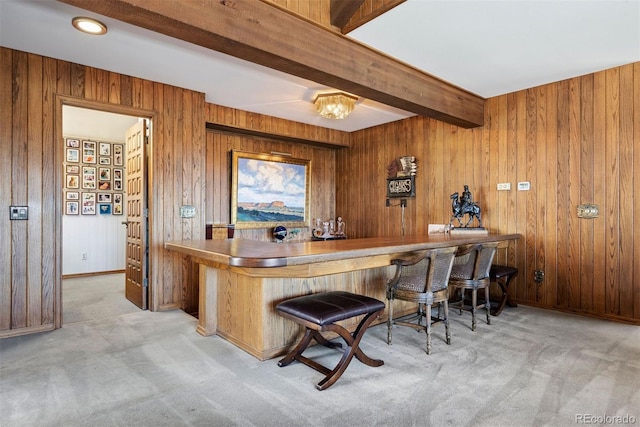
(32, 90)
(319, 149)
(576, 141)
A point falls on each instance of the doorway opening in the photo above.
(94, 223)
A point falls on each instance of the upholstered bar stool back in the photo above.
(471, 272)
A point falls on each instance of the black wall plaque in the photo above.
(403, 186)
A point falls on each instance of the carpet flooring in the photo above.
(530, 367)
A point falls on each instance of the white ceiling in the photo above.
(488, 47)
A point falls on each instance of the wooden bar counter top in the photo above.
(241, 281)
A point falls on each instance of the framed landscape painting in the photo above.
(269, 190)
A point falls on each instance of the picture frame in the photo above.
(104, 208)
(104, 160)
(118, 203)
(73, 181)
(73, 143)
(104, 185)
(73, 195)
(269, 190)
(105, 174)
(117, 185)
(105, 149)
(104, 197)
(89, 152)
(89, 177)
(88, 203)
(73, 155)
(118, 155)
(71, 208)
(75, 169)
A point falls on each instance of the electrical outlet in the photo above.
(84, 256)
(388, 203)
(187, 211)
(502, 186)
(403, 203)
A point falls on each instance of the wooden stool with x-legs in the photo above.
(318, 313)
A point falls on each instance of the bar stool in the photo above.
(318, 313)
(471, 271)
(502, 275)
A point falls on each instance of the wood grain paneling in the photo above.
(32, 89)
(218, 181)
(575, 141)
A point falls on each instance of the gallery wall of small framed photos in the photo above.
(94, 176)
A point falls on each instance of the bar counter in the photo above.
(241, 281)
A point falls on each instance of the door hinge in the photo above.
(145, 282)
(145, 212)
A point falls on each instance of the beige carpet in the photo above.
(94, 297)
(529, 368)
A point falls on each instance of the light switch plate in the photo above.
(18, 212)
(187, 211)
(524, 186)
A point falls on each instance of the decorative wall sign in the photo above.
(401, 187)
(401, 177)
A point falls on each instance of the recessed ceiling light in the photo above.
(89, 25)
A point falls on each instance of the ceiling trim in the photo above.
(263, 34)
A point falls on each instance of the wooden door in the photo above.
(136, 287)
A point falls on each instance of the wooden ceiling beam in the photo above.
(343, 10)
(369, 10)
(263, 34)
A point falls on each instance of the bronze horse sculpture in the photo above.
(461, 209)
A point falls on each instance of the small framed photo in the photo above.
(73, 195)
(89, 152)
(88, 203)
(117, 185)
(73, 155)
(104, 208)
(71, 208)
(105, 160)
(105, 149)
(73, 143)
(118, 155)
(73, 181)
(73, 169)
(117, 204)
(104, 185)
(105, 174)
(104, 197)
(117, 173)
(89, 177)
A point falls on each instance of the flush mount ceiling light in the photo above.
(334, 105)
(89, 25)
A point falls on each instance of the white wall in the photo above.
(102, 238)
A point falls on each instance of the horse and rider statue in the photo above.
(462, 206)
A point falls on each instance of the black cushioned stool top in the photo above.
(329, 307)
(497, 271)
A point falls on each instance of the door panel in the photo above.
(136, 287)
